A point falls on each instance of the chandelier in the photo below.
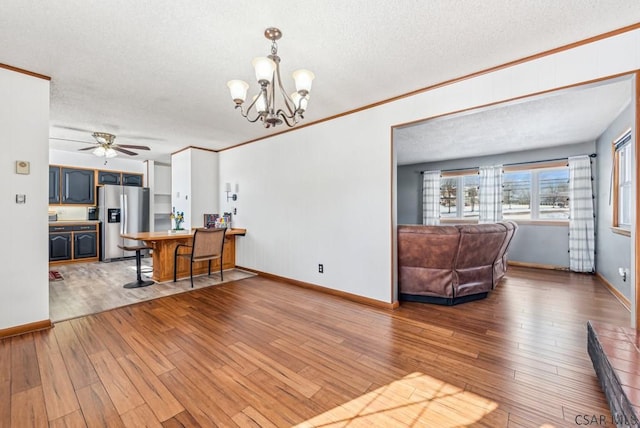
(263, 105)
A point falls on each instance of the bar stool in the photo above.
(139, 282)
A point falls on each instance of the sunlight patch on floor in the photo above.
(417, 399)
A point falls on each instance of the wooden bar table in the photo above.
(164, 245)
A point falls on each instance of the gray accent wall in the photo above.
(541, 245)
(612, 250)
(537, 244)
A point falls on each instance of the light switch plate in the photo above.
(21, 199)
(22, 167)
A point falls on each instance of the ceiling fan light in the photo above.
(110, 153)
(238, 89)
(264, 68)
(99, 151)
(303, 79)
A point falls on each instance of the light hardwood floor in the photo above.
(89, 288)
(257, 352)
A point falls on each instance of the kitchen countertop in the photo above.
(174, 236)
(72, 222)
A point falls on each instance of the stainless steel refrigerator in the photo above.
(122, 209)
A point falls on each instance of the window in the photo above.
(553, 191)
(622, 170)
(459, 194)
(536, 191)
(516, 195)
(448, 197)
(532, 191)
(471, 185)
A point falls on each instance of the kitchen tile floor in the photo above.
(89, 288)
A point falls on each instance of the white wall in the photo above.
(181, 185)
(24, 255)
(194, 185)
(204, 185)
(316, 195)
(323, 194)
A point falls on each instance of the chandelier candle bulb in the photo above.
(264, 69)
(238, 90)
(299, 101)
(261, 103)
(303, 79)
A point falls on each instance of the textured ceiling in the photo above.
(155, 72)
(575, 115)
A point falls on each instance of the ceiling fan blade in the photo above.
(139, 137)
(72, 128)
(87, 148)
(130, 146)
(128, 152)
(72, 140)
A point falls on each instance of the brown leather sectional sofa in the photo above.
(452, 264)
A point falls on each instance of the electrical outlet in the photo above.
(321, 268)
(624, 273)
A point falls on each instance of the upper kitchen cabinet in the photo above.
(54, 184)
(109, 177)
(117, 178)
(78, 186)
(129, 179)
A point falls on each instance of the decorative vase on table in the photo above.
(178, 218)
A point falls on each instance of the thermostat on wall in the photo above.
(22, 167)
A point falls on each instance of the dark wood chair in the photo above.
(208, 244)
(139, 282)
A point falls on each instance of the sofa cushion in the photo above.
(440, 252)
(477, 252)
(426, 256)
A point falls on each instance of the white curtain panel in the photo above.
(431, 197)
(581, 222)
(490, 194)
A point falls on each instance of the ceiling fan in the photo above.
(105, 145)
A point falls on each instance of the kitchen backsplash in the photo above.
(69, 213)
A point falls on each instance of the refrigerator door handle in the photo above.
(125, 213)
